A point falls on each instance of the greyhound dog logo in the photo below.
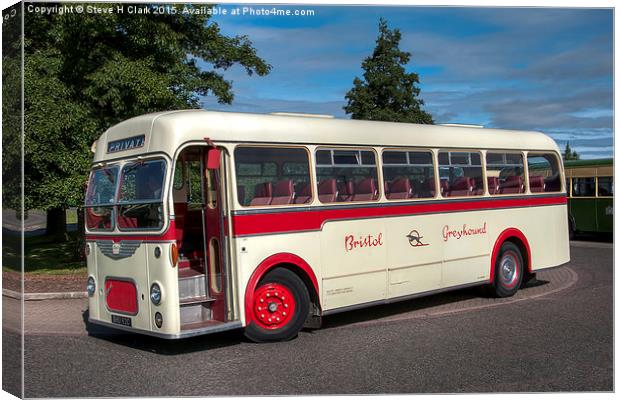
(415, 240)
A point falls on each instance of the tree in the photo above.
(11, 108)
(570, 154)
(86, 72)
(387, 92)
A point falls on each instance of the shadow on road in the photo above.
(235, 337)
(594, 237)
(168, 347)
(407, 306)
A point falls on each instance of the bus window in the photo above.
(460, 173)
(272, 176)
(140, 195)
(505, 173)
(100, 199)
(346, 175)
(544, 173)
(605, 186)
(408, 174)
(583, 187)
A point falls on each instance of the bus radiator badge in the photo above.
(415, 240)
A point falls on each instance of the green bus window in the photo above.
(583, 187)
(605, 186)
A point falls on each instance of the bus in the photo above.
(590, 190)
(200, 221)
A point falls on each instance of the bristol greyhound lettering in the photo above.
(462, 232)
(350, 243)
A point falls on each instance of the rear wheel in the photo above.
(280, 305)
(508, 271)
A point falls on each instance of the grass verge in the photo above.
(43, 255)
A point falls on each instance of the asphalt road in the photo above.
(556, 341)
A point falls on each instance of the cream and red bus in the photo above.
(200, 221)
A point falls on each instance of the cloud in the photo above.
(546, 69)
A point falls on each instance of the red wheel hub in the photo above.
(274, 306)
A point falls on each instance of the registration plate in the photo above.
(125, 321)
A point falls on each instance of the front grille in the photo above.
(117, 250)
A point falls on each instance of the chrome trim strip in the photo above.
(402, 298)
(225, 326)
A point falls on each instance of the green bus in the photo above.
(590, 190)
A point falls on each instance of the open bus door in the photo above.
(214, 229)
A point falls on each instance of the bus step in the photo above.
(194, 300)
(202, 325)
(192, 286)
(195, 312)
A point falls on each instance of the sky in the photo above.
(544, 69)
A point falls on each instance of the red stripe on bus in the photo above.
(312, 220)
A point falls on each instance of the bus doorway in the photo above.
(197, 194)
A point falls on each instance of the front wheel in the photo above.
(508, 271)
(280, 305)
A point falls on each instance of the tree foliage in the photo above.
(387, 92)
(11, 107)
(570, 154)
(86, 72)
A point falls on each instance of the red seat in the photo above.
(263, 192)
(512, 184)
(303, 193)
(429, 183)
(462, 186)
(493, 183)
(283, 192)
(345, 191)
(365, 190)
(537, 183)
(328, 191)
(399, 189)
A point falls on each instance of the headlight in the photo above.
(90, 286)
(155, 294)
(159, 320)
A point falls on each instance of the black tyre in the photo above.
(280, 305)
(508, 271)
(571, 230)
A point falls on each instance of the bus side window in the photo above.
(460, 173)
(346, 175)
(583, 187)
(544, 173)
(408, 174)
(269, 176)
(605, 186)
(505, 173)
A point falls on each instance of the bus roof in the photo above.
(166, 131)
(588, 163)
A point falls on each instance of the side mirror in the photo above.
(213, 158)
